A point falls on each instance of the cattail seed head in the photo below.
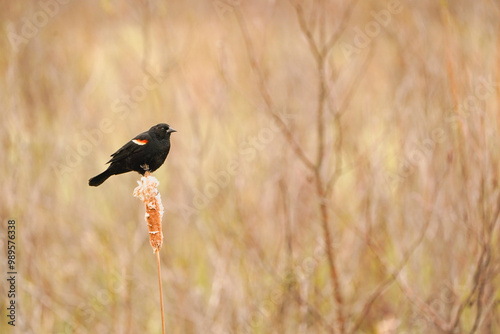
(147, 192)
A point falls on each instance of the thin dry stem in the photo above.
(161, 292)
(148, 192)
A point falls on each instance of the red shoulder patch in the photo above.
(140, 141)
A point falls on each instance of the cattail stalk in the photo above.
(147, 191)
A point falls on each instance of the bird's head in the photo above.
(162, 130)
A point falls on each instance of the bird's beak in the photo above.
(170, 130)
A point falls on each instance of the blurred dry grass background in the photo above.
(410, 144)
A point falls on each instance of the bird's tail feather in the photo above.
(99, 179)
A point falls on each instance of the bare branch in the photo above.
(394, 273)
(481, 282)
(308, 33)
(297, 149)
(340, 29)
(320, 63)
(477, 274)
(350, 93)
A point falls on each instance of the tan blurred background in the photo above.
(335, 168)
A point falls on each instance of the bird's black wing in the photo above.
(131, 148)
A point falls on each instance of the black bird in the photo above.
(145, 152)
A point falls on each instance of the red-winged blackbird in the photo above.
(146, 152)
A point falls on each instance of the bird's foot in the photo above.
(145, 167)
